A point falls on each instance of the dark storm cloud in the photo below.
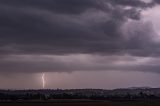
(156, 1)
(59, 6)
(34, 34)
(60, 26)
(70, 63)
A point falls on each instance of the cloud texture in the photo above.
(55, 35)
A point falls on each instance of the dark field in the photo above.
(82, 103)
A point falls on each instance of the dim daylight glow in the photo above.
(43, 80)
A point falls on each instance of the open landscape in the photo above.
(79, 52)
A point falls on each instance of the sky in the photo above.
(104, 44)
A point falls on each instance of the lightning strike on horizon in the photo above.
(43, 80)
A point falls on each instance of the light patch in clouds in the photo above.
(147, 1)
(152, 15)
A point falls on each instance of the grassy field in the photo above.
(81, 103)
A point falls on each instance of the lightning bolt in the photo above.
(43, 80)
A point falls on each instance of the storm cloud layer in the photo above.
(56, 35)
(60, 26)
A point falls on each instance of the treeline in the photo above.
(44, 97)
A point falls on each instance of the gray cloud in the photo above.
(81, 62)
(58, 6)
(62, 27)
(33, 29)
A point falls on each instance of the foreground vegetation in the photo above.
(82, 103)
(81, 97)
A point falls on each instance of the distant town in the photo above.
(128, 94)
